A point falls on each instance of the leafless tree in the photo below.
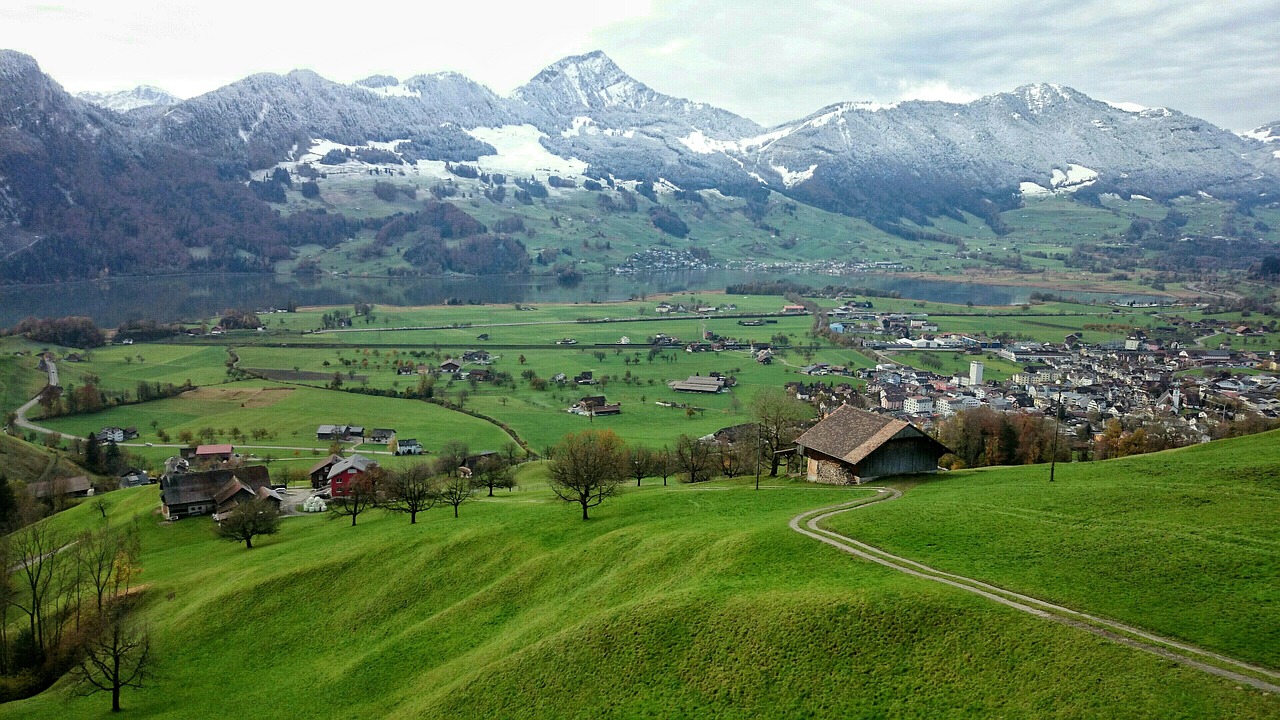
(586, 467)
(781, 417)
(105, 558)
(39, 571)
(410, 490)
(249, 519)
(116, 656)
(493, 472)
(641, 462)
(454, 490)
(362, 495)
(694, 458)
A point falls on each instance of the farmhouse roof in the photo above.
(203, 486)
(851, 434)
(224, 449)
(229, 491)
(356, 462)
(324, 464)
(68, 486)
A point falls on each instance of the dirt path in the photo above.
(809, 523)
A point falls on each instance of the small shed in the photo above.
(853, 446)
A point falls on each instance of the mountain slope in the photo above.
(81, 194)
(123, 101)
(265, 118)
(933, 154)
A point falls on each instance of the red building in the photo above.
(346, 471)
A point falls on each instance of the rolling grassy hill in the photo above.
(684, 602)
(1185, 543)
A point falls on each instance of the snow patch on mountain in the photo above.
(520, 151)
(1127, 106)
(397, 90)
(791, 178)
(703, 145)
(1030, 188)
(1076, 176)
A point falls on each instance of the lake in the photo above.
(170, 298)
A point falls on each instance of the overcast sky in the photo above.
(770, 60)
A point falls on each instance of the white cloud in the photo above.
(771, 61)
(938, 90)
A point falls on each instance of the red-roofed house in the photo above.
(220, 453)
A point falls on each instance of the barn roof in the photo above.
(851, 434)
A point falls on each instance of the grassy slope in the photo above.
(691, 602)
(293, 419)
(1184, 542)
(570, 218)
(20, 460)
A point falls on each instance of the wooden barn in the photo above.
(854, 446)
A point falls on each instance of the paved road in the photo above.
(809, 523)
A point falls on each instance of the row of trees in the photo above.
(76, 597)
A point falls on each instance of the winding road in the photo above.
(810, 524)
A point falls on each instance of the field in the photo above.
(689, 601)
(291, 414)
(522, 341)
(1185, 543)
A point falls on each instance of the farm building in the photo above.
(409, 446)
(853, 446)
(346, 471)
(700, 384)
(183, 494)
(319, 473)
(73, 487)
(382, 436)
(214, 453)
(339, 432)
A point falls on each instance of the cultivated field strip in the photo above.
(809, 523)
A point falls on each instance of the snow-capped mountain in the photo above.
(886, 161)
(584, 115)
(265, 118)
(123, 101)
(849, 155)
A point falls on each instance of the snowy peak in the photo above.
(585, 82)
(14, 64)
(125, 100)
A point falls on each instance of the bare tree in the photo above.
(105, 558)
(641, 462)
(586, 467)
(451, 456)
(249, 519)
(781, 417)
(454, 490)
(115, 657)
(410, 490)
(694, 458)
(101, 506)
(664, 463)
(493, 472)
(38, 571)
(362, 495)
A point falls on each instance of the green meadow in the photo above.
(291, 413)
(683, 601)
(1185, 542)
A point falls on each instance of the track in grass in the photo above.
(809, 523)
